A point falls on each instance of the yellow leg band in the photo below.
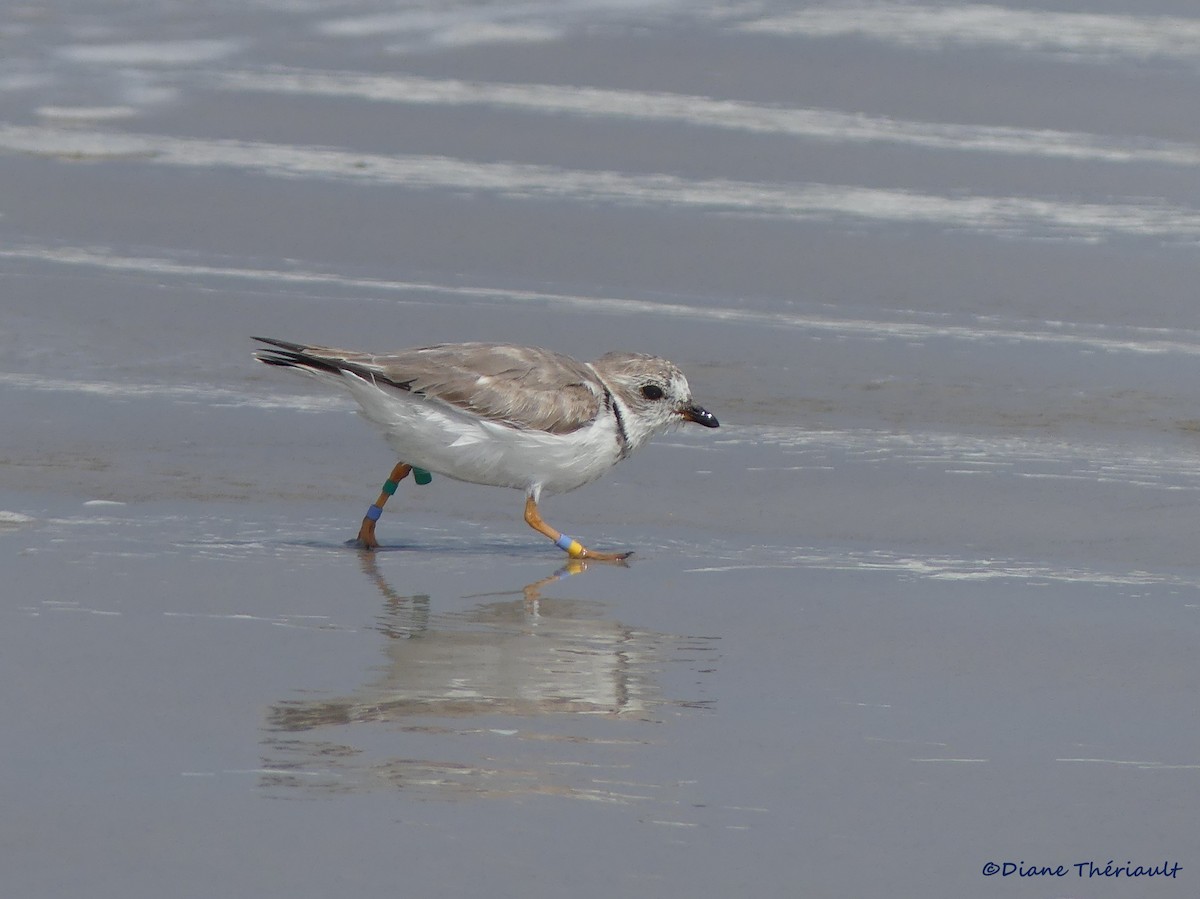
(570, 546)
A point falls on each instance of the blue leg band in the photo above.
(374, 512)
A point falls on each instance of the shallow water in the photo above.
(928, 598)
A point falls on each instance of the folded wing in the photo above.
(524, 387)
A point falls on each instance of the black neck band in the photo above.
(622, 437)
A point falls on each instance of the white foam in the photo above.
(151, 53)
(386, 23)
(1149, 466)
(751, 118)
(944, 568)
(437, 19)
(213, 396)
(1031, 217)
(1093, 37)
(471, 34)
(86, 113)
(22, 81)
(912, 327)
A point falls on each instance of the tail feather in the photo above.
(318, 360)
(283, 344)
(294, 355)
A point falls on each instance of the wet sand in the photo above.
(927, 600)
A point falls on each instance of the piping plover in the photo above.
(503, 415)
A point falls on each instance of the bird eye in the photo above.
(652, 392)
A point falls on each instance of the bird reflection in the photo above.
(529, 657)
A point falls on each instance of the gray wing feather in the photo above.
(526, 387)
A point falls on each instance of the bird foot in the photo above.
(366, 536)
(592, 555)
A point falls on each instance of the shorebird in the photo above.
(503, 415)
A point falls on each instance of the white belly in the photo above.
(461, 446)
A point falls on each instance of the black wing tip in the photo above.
(286, 354)
(282, 361)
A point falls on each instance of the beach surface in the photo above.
(920, 619)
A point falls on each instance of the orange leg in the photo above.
(571, 546)
(366, 533)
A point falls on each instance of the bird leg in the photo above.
(570, 545)
(366, 533)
